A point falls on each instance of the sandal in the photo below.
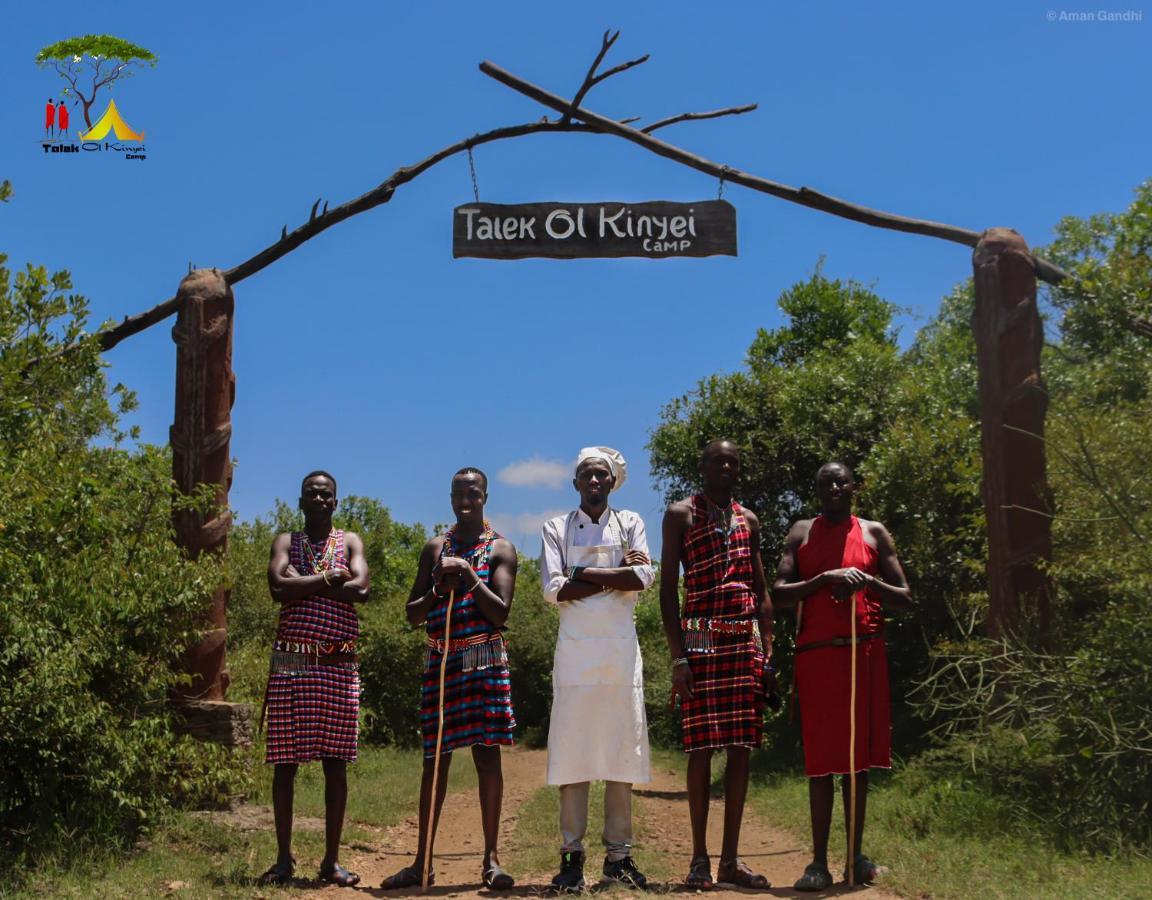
(279, 873)
(496, 879)
(338, 875)
(408, 877)
(700, 874)
(736, 872)
(815, 878)
(865, 870)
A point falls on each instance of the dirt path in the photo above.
(459, 846)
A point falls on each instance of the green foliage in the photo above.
(815, 390)
(96, 46)
(96, 601)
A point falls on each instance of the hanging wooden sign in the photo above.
(655, 229)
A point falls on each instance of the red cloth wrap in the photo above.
(823, 674)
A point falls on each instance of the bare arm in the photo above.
(760, 586)
(790, 588)
(891, 587)
(421, 598)
(494, 599)
(676, 521)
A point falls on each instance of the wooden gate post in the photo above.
(1013, 404)
(205, 391)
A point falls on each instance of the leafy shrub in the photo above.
(96, 601)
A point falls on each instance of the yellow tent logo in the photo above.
(112, 121)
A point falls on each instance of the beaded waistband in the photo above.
(313, 648)
(481, 651)
(701, 634)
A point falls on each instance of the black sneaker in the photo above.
(571, 874)
(625, 871)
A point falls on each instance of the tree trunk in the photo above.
(1013, 404)
(205, 390)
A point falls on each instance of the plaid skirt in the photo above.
(313, 714)
(477, 705)
(727, 706)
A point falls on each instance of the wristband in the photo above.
(575, 572)
(680, 661)
(479, 581)
(324, 575)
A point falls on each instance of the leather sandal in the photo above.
(815, 878)
(338, 875)
(736, 872)
(700, 874)
(279, 873)
(865, 870)
(496, 879)
(408, 877)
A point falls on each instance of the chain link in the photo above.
(472, 169)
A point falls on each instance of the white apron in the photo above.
(598, 730)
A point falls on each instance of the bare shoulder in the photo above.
(753, 519)
(353, 540)
(282, 541)
(876, 531)
(798, 533)
(679, 511)
(504, 549)
(433, 546)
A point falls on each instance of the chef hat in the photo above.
(614, 458)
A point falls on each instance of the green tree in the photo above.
(102, 58)
(96, 601)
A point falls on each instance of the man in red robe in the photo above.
(836, 567)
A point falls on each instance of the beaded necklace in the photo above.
(326, 561)
(487, 536)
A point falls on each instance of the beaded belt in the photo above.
(313, 648)
(481, 651)
(294, 657)
(700, 633)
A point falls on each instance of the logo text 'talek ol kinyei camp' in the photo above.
(90, 66)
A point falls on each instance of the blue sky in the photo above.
(371, 352)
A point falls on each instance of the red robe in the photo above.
(823, 674)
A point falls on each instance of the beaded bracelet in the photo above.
(324, 575)
(680, 661)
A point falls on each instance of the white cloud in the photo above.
(523, 529)
(536, 472)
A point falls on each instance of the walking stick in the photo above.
(852, 754)
(439, 742)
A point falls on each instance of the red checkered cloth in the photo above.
(721, 641)
(313, 710)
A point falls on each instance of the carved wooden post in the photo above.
(1013, 404)
(205, 390)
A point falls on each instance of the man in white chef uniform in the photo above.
(593, 565)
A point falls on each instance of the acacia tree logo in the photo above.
(91, 63)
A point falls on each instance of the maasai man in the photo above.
(827, 562)
(313, 695)
(594, 563)
(721, 646)
(473, 565)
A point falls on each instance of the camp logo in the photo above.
(90, 67)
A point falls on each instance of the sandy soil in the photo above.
(459, 848)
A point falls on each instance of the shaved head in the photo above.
(712, 446)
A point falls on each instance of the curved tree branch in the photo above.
(692, 117)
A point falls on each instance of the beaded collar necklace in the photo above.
(326, 561)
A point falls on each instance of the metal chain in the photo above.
(472, 169)
(720, 192)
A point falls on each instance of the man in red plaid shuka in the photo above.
(720, 646)
(313, 696)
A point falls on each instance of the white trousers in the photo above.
(617, 835)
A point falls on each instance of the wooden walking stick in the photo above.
(439, 741)
(852, 752)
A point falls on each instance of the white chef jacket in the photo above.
(598, 729)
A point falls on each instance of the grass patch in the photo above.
(950, 841)
(214, 859)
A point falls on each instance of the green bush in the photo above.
(96, 601)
